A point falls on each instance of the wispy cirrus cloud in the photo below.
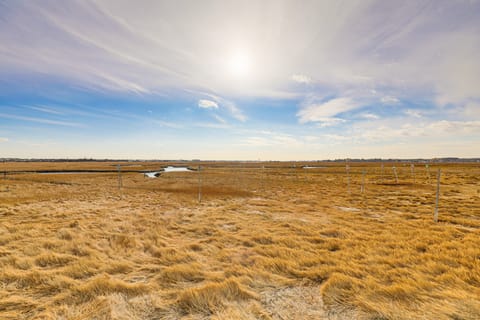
(42, 120)
(45, 109)
(326, 111)
(207, 104)
(236, 112)
(215, 100)
(219, 119)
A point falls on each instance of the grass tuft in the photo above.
(101, 286)
(210, 297)
(182, 272)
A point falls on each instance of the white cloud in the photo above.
(329, 122)
(325, 112)
(413, 113)
(301, 78)
(207, 104)
(389, 100)
(3, 139)
(220, 102)
(370, 116)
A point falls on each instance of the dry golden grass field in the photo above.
(279, 242)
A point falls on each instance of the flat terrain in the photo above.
(266, 241)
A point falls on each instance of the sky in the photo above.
(239, 80)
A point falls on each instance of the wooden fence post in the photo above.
(428, 172)
(362, 189)
(383, 172)
(263, 178)
(199, 184)
(412, 168)
(347, 168)
(435, 214)
(120, 183)
(396, 175)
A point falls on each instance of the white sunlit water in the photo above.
(155, 174)
(152, 174)
(177, 169)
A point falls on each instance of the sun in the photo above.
(239, 64)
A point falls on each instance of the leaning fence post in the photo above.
(435, 214)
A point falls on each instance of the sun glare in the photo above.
(239, 64)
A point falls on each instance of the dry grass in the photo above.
(273, 243)
(210, 297)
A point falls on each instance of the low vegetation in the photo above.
(266, 241)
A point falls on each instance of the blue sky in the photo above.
(286, 80)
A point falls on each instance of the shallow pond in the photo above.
(156, 174)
